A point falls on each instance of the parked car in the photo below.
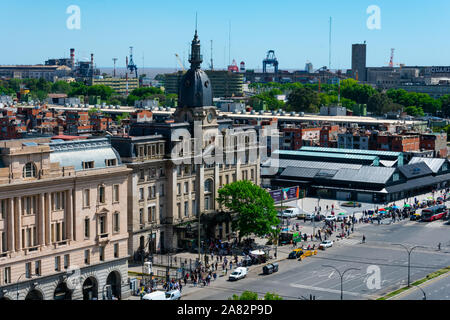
(161, 295)
(325, 244)
(295, 254)
(309, 216)
(415, 216)
(238, 273)
(330, 218)
(270, 268)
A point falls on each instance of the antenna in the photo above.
(329, 56)
(196, 22)
(212, 65)
(229, 43)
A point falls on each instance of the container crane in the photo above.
(180, 63)
(131, 65)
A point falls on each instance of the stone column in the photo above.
(41, 220)
(47, 218)
(18, 221)
(11, 225)
(68, 214)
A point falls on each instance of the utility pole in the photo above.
(409, 251)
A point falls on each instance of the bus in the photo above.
(434, 213)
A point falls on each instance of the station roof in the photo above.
(433, 163)
(353, 151)
(328, 155)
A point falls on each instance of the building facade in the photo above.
(63, 220)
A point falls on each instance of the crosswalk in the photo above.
(434, 224)
(348, 242)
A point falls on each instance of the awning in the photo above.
(413, 184)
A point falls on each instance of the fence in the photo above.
(174, 262)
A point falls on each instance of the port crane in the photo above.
(131, 65)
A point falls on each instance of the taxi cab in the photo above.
(295, 254)
(415, 216)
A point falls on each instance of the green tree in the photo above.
(61, 87)
(272, 296)
(414, 111)
(303, 100)
(254, 208)
(379, 104)
(350, 89)
(101, 90)
(246, 295)
(445, 105)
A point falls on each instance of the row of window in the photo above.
(102, 225)
(34, 269)
(149, 150)
(151, 173)
(101, 195)
(151, 192)
(151, 214)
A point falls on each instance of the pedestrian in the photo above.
(215, 276)
(364, 239)
(231, 265)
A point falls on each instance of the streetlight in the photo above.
(17, 283)
(409, 258)
(342, 277)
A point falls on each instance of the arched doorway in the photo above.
(62, 292)
(113, 286)
(34, 295)
(90, 289)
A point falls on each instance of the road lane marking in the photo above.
(355, 294)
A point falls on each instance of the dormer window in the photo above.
(111, 162)
(88, 164)
(29, 170)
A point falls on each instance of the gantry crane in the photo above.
(179, 62)
(131, 65)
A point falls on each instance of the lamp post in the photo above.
(17, 284)
(342, 277)
(409, 251)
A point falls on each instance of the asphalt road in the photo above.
(296, 279)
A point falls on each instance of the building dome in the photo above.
(195, 86)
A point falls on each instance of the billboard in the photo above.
(285, 194)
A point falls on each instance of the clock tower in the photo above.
(195, 98)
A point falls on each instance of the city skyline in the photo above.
(298, 32)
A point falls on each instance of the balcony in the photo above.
(103, 239)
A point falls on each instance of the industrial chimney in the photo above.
(72, 58)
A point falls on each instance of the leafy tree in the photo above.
(250, 295)
(445, 105)
(272, 296)
(414, 111)
(304, 100)
(103, 91)
(246, 295)
(350, 89)
(61, 87)
(379, 104)
(254, 208)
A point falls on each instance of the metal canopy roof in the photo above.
(353, 151)
(433, 163)
(326, 155)
(412, 184)
(415, 170)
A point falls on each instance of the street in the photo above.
(308, 277)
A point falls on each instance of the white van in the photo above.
(290, 213)
(161, 295)
(155, 295)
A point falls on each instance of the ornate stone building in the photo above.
(172, 182)
(63, 216)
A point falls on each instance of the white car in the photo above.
(326, 244)
(238, 273)
(330, 218)
(309, 216)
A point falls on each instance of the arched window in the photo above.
(29, 170)
(208, 186)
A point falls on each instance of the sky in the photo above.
(297, 30)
